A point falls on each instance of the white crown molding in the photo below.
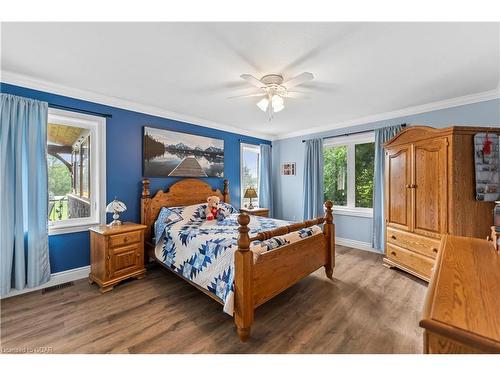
(42, 85)
(54, 88)
(55, 279)
(429, 107)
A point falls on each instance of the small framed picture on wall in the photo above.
(288, 169)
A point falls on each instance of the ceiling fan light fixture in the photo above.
(263, 104)
(275, 90)
(278, 103)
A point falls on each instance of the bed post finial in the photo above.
(145, 188)
(243, 281)
(225, 192)
(243, 238)
(329, 232)
(328, 212)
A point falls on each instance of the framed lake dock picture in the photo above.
(168, 153)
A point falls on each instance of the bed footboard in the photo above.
(273, 272)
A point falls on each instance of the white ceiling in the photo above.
(360, 69)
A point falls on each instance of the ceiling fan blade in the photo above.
(301, 78)
(297, 95)
(247, 95)
(320, 86)
(252, 80)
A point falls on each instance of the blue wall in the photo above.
(288, 190)
(124, 166)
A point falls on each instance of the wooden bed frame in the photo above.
(255, 281)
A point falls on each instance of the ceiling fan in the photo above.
(274, 90)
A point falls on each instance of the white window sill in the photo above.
(70, 228)
(353, 211)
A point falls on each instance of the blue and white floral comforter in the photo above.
(202, 251)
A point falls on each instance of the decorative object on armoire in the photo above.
(250, 193)
(430, 192)
(116, 254)
(486, 158)
(382, 136)
(168, 153)
(288, 169)
(494, 237)
(116, 207)
(24, 242)
(496, 215)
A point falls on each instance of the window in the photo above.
(250, 155)
(76, 171)
(348, 173)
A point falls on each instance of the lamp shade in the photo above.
(250, 193)
(262, 104)
(116, 206)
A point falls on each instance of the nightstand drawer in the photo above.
(124, 259)
(124, 238)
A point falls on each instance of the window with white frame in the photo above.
(250, 158)
(348, 173)
(76, 170)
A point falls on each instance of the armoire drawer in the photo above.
(406, 258)
(420, 244)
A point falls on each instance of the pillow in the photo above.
(166, 217)
(230, 209)
(223, 211)
(200, 213)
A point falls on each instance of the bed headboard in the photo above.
(183, 193)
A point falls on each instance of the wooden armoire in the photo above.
(430, 191)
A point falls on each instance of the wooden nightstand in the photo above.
(116, 254)
(257, 211)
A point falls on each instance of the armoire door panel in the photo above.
(430, 187)
(398, 179)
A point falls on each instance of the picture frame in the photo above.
(288, 169)
(169, 153)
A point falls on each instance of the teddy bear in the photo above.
(212, 207)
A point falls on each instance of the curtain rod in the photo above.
(57, 106)
(347, 134)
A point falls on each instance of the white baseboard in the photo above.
(366, 246)
(55, 279)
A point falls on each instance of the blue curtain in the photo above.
(382, 136)
(24, 253)
(313, 179)
(265, 168)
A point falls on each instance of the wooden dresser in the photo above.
(116, 254)
(462, 308)
(429, 192)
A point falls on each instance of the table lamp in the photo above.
(250, 193)
(116, 207)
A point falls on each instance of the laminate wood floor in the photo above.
(368, 308)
